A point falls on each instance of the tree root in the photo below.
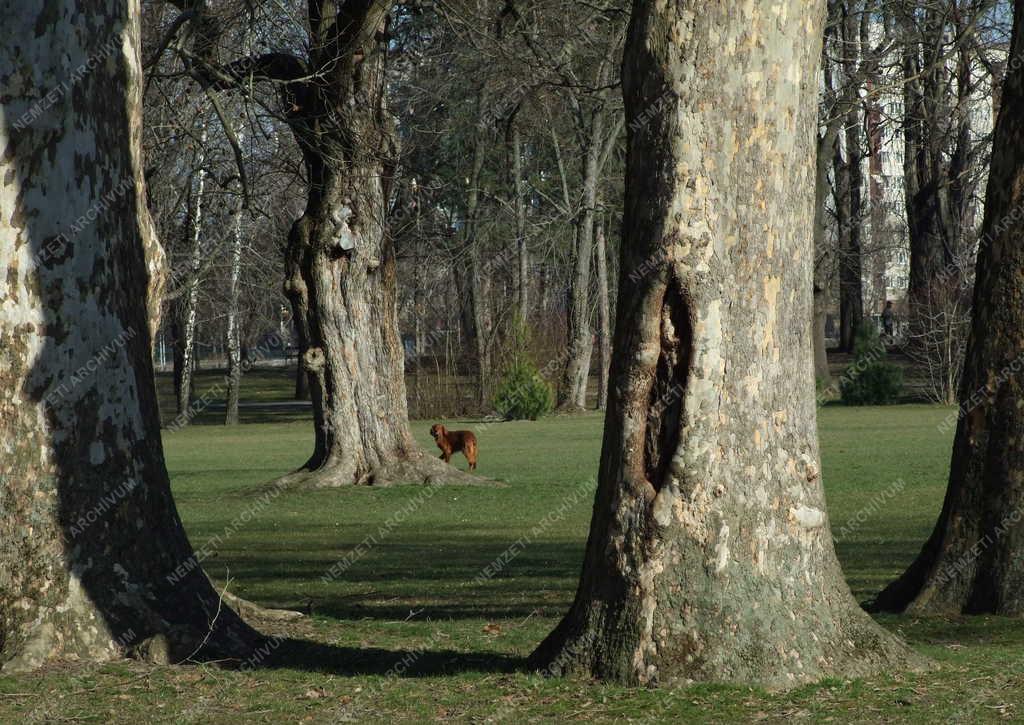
(422, 470)
(250, 610)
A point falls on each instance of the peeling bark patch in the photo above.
(665, 404)
(808, 517)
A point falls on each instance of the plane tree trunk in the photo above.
(94, 562)
(710, 555)
(973, 562)
(339, 261)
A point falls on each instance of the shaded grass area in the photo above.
(421, 612)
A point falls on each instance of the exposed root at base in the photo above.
(423, 470)
(249, 610)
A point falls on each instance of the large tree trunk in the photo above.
(340, 261)
(94, 561)
(974, 561)
(710, 555)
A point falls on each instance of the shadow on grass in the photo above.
(306, 655)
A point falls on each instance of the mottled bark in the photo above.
(710, 555)
(974, 560)
(94, 562)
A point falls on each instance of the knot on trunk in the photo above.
(313, 360)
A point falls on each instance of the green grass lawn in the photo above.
(410, 599)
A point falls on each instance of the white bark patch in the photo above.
(343, 235)
(664, 503)
(771, 294)
(807, 516)
(722, 549)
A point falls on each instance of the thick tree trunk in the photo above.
(974, 561)
(94, 561)
(710, 555)
(340, 263)
(572, 393)
(604, 334)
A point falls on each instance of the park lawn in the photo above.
(398, 577)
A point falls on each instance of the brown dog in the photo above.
(453, 441)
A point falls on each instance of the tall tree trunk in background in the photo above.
(190, 295)
(519, 206)
(94, 561)
(177, 355)
(831, 124)
(572, 393)
(851, 286)
(301, 381)
(464, 303)
(697, 568)
(974, 561)
(479, 279)
(604, 335)
(924, 85)
(233, 342)
(339, 261)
